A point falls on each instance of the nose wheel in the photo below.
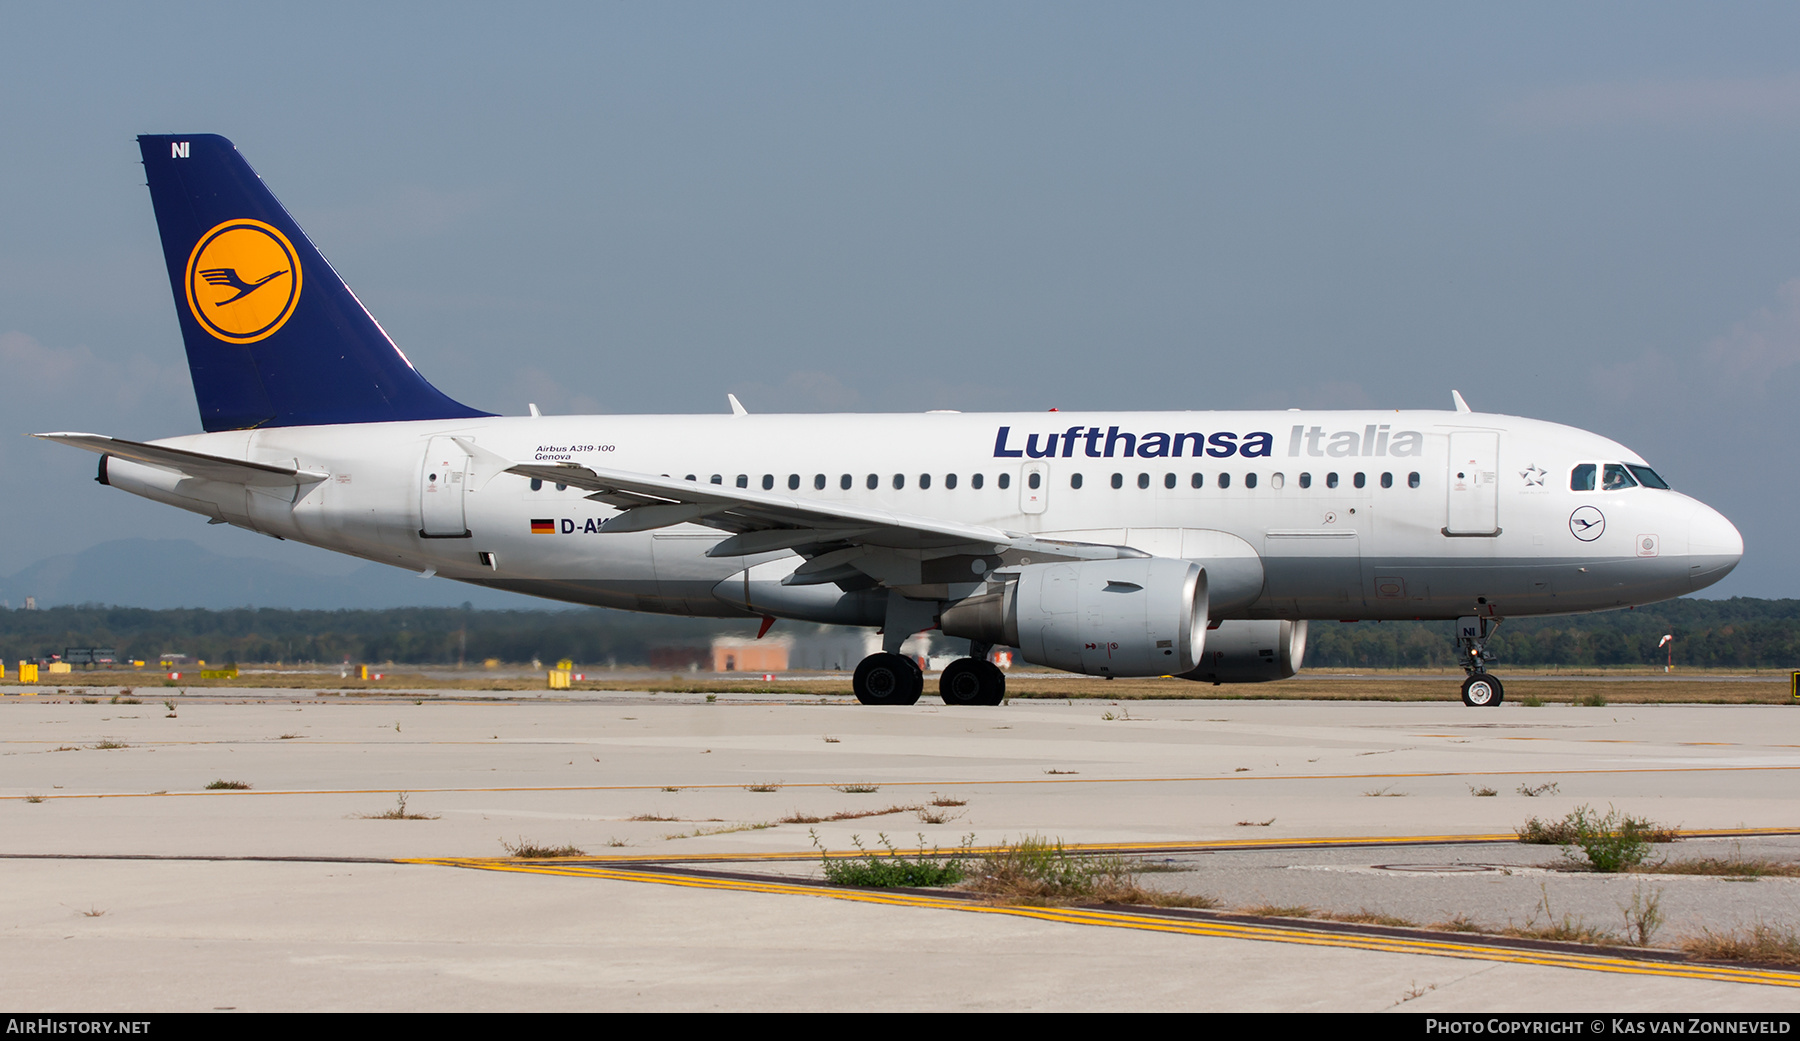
(888, 679)
(1481, 690)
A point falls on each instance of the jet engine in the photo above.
(1143, 616)
(1251, 652)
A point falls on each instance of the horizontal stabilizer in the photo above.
(193, 464)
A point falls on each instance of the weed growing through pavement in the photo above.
(221, 783)
(1062, 771)
(830, 740)
(1038, 872)
(1532, 791)
(34, 798)
(530, 851)
(1611, 842)
(1384, 793)
(1643, 915)
(726, 830)
(1483, 792)
(763, 787)
(1256, 824)
(108, 743)
(399, 813)
(847, 815)
(930, 816)
(856, 789)
(1760, 943)
(890, 869)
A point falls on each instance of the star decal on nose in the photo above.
(1534, 477)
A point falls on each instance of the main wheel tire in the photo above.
(888, 679)
(972, 681)
(1482, 691)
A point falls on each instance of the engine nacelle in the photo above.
(1142, 616)
(1251, 652)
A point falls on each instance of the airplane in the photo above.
(1113, 544)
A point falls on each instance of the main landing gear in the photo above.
(888, 679)
(895, 679)
(1480, 689)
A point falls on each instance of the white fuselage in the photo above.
(1364, 514)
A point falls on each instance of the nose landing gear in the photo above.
(1480, 689)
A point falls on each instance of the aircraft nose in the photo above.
(1714, 547)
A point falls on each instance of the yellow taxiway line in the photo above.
(1127, 919)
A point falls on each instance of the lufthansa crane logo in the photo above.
(1587, 523)
(243, 280)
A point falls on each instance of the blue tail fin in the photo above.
(274, 337)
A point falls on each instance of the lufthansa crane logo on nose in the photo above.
(1587, 523)
(243, 280)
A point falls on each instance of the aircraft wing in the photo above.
(851, 546)
(192, 464)
(648, 501)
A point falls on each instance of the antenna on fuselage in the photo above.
(737, 407)
(534, 410)
(1461, 405)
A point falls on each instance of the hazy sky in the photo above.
(1586, 213)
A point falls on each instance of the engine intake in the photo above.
(1134, 617)
(1251, 652)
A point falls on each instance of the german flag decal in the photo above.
(543, 527)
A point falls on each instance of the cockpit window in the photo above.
(1647, 477)
(1616, 478)
(1581, 479)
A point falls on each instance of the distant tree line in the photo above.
(413, 636)
(1737, 633)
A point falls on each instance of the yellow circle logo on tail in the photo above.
(243, 280)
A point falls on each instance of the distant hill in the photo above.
(170, 573)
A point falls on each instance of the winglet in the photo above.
(737, 407)
(1461, 405)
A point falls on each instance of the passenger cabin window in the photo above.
(1412, 479)
(1168, 480)
(874, 482)
(1035, 480)
(743, 480)
(1005, 480)
(1198, 481)
(1074, 480)
(1118, 480)
(1331, 480)
(949, 481)
(537, 485)
(899, 481)
(845, 482)
(768, 482)
(1647, 477)
(1359, 480)
(1306, 480)
(924, 480)
(1224, 480)
(793, 482)
(819, 482)
(975, 481)
(718, 478)
(691, 477)
(1249, 480)
(1614, 478)
(1387, 480)
(1581, 479)
(1143, 480)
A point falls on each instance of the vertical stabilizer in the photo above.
(274, 337)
